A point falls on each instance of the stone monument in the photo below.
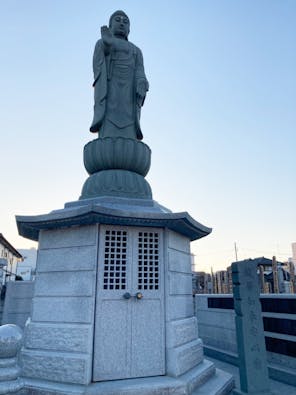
(112, 310)
(249, 330)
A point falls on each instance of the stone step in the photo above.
(221, 383)
(199, 375)
(205, 378)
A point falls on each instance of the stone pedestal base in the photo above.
(239, 392)
(117, 167)
(203, 379)
(89, 333)
(116, 183)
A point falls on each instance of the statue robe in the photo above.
(116, 75)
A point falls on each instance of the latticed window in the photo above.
(115, 259)
(148, 261)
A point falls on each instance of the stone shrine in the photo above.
(112, 309)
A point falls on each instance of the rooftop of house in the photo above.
(7, 245)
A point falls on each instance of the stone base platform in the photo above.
(204, 379)
(238, 392)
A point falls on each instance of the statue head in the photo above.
(119, 24)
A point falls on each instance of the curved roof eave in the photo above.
(183, 223)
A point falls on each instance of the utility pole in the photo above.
(235, 251)
(276, 289)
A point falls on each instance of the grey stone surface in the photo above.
(216, 326)
(11, 339)
(146, 386)
(9, 373)
(49, 345)
(202, 380)
(119, 203)
(221, 384)
(117, 153)
(72, 237)
(178, 307)
(282, 360)
(59, 337)
(116, 182)
(18, 301)
(14, 387)
(1, 309)
(199, 375)
(56, 366)
(183, 358)
(43, 387)
(249, 329)
(218, 337)
(179, 261)
(18, 319)
(63, 309)
(118, 102)
(65, 284)
(180, 283)
(124, 214)
(178, 242)
(67, 258)
(217, 330)
(222, 318)
(278, 388)
(181, 331)
(116, 161)
(139, 350)
(15, 305)
(7, 362)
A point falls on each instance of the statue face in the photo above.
(120, 26)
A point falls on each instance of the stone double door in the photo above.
(129, 320)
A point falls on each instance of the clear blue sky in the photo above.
(220, 115)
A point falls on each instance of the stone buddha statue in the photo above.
(120, 84)
(117, 161)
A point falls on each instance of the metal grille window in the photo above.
(148, 260)
(115, 259)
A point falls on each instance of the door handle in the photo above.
(127, 295)
(139, 295)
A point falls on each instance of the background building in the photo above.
(28, 267)
(12, 257)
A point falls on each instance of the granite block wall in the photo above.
(183, 348)
(59, 337)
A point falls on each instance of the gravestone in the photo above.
(112, 310)
(249, 330)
